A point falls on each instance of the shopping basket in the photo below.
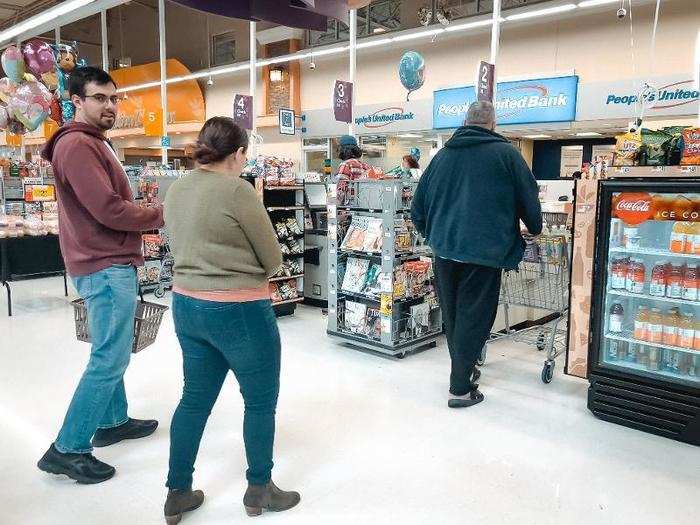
(146, 323)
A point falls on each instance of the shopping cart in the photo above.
(541, 281)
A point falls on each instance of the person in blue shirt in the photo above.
(468, 206)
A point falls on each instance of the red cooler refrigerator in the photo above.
(644, 361)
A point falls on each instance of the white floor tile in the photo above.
(365, 439)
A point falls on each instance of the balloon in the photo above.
(415, 153)
(412, 71)
(39, 57)
(4, 117)
(16, 127)
(67, 110)
(66, 57)
(31, 104)
(7, 89)
(13, 63)
(55, 112)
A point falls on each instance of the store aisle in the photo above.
(365, 439)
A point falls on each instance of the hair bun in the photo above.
(203, 154)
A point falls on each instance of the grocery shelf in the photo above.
(629, 365)
(651, 171)
(671, 300)
(288, 301)
(653, 251)
(377, 300)
(284, 208)
(290, 278)
(625, 336)
(284, 188)
(401, 256)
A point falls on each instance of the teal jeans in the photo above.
(215, 338)
(99, 400)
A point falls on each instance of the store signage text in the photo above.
(384, 117)
(521, 102)
(665, 97)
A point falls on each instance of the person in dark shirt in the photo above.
(468, 206)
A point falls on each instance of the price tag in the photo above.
(332, 211)
(39, 193)
(386, 325)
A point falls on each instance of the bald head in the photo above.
(483, 114)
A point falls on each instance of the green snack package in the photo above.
(655, 147)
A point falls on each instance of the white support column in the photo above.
(163, 74)
(253, 147)
(495, 39)
(353, 65)
(105, 43)
(57, 35)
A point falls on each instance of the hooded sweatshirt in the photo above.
(471, 198)
(99, 223)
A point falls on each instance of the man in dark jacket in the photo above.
(468, 206)
(100, 235)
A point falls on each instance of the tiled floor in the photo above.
(365, 439)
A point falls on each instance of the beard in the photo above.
(107, 121)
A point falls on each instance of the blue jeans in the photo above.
(215, 338)
(100, 399)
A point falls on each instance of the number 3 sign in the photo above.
(342, 101)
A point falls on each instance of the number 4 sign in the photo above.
(243, 111)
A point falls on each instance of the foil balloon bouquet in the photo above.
(36, 85)
(412, 71)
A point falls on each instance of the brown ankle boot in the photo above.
(181, 501)
(268, 497)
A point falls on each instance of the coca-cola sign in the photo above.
(633, 208)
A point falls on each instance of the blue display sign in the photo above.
(520, 102)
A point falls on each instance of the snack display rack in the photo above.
(282, 194)
(380, 284)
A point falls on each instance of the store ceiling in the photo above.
(13, 11)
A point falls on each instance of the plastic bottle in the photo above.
(672, 321)
(618, 280)
(617, 318)
(656, 326)
(641, 324)
(692, 240)
(657, 287)
(689, 286)
(696, 339)
(679, 237)
(686, 331)
(643, 356)
(674, 282)
(653, 358)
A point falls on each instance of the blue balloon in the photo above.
(412, 71)
(415, 153)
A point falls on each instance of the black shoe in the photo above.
(83, 468)
(472, 398)
(268, 497)
(132, 429)
(181, 501)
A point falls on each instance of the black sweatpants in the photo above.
(468, 296)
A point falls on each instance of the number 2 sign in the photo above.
(485, 81)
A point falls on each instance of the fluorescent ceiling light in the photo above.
(537, 136)
(471, 25)
(374, 43)
(409, 136)
(588, 134)
(419, 34)
(594, 3)
(542, 12)
(47, 16)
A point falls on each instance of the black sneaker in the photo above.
(83, 468)
(132, 429)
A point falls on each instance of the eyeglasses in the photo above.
(102, 99)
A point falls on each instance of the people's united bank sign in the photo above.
(521, 102)
(669, 96)
(384, 117)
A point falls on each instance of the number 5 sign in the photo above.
(485, 81)
(342, 101)
(153, 123)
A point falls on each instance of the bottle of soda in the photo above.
(686, 331)
(657, 287)
(641, 324)
(674, 282)
(672, 321)
(689, 286)
(616, 319)
(656, 326)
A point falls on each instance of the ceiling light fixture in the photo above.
(419, 34)
(374, 43)
(588, 134)
(537, 136)
(47, 16)
(542, 12)
(471, 25)
(595, 3)
(210, 81)
(378, 30)
(409, 136)
(276, 74)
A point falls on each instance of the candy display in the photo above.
(284, 291)
(274, 171)
(690, 147)
(627, 149)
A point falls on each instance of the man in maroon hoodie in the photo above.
(100, 235)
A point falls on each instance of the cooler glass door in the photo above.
(647, 313)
